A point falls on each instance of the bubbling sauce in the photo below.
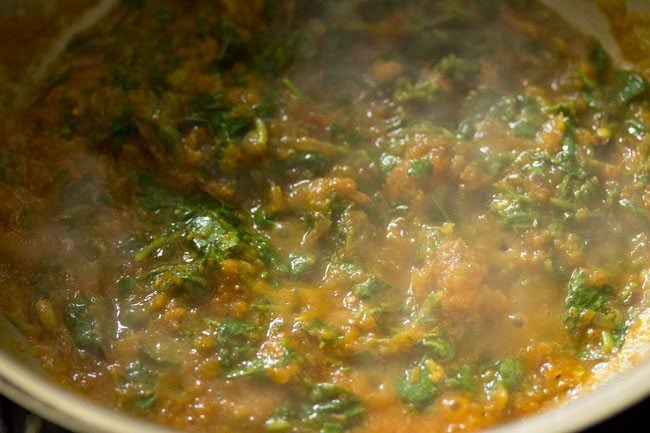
(364, 216)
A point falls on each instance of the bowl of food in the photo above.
(362, 216)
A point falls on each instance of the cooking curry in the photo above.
(328, 216)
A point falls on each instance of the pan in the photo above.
(615, 386)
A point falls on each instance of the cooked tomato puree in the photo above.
(327, 216)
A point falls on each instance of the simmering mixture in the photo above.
(328, 216)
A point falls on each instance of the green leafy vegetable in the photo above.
(387, 162)
(125, 286)
(599, 58)
(211, 236)
(291, 86)
(630, 86)
(635, 128)
(138, 389)
(193, 236)
(205, 238)
(300, 263)
(152, 198)
(307, 161)
(457, 70)
(522, 113)
(516, 209)
(567, 158)
(212, 110)
(462, 379)
(525, 127)
(369, 288)
(419, 91)
(466, 129)
(581, 297)
(569, 176)
(262, 219)
(591, 317)
(163, 355)
(83, 326)
(420, 169)
(260, 134)
(251, 368)
(634, 209)
(259, 367)
(236, 342)
(440, 348)
(415, 386)
(347, 135)
(331, 409)
(318, 329)
(568, 109)
(510, 373)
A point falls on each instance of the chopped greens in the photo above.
(634, 209)
(570, 181)
(84, 327)
(418, 91)
(630, 86)
(327, 216)
(522, 113)
(582, 297)
(416, 387)
(138, 389)
(212, 110)
(300, 263)
(369, 288)
(516, 209)
(420, 169)
(331, 409)
(236, 341)
(591, 317)
(457, 70)
(388, 162)
(308, 162)
(510, 373)
(462, 379)
(199, 234)
(440, 348)
(599, 58)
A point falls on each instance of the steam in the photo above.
(18, 94)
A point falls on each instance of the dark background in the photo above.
(633, 420)
(14, 419)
